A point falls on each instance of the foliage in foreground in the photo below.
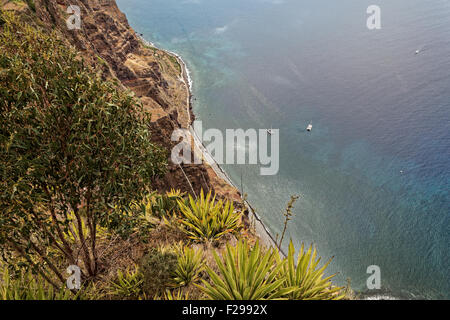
(128, 284)
(27, 286)
(307, 279)
(206, 219)
(246, 274)
(254, 274)
(70, 143)
(157, 269)
(189, 265)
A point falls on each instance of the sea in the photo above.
(373, 174)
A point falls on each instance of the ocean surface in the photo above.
(373, 174)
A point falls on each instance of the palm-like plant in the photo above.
(205, 219)
(306, 278)
(189, 266)
(246, 274)
(165, 204)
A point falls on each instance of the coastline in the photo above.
(260, 228)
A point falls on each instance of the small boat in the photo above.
(417, 51)
(309, 127)
(269, 131)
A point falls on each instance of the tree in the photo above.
(72, 147)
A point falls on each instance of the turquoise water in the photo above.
(373, 174)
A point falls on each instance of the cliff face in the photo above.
(107, 41)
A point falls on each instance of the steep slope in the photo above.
(106, 41)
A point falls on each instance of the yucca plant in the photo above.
(189, 265)
(306, 277)
(177, 294)
(128, 284)
(205, 219)
(30, 287)
(166, 204)
(246, 274)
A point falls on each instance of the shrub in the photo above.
(157, 269)
(307, 279)
(205, 219)
(189, 266)
(143, 215)
(69, 142)
(132, 220)
(245, 274)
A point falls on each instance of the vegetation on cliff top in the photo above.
(73, 147)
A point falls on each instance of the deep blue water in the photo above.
(373, 174)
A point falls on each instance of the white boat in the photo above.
(417, 51)
(309, 127)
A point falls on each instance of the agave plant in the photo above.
(205, 219)
(246, 274)
(128, 284)
(307, 279)
(177, 294)
(165, 204)
(190, 264)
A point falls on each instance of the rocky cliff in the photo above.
(107, 42)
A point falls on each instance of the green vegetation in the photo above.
(245, 274)
(307, 279)
(127, 285)
(26, 286)
(71, 145)
(248, 273)
(157, 268)
(29, 3)
(175, 62)
(176, 295)
(163, 205)
(206, 219)
(189, 265)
